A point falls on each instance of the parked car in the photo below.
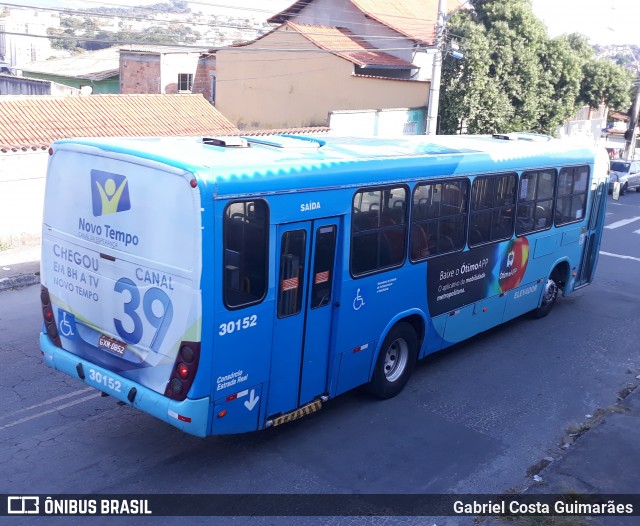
(627, 173)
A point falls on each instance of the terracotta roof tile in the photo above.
(345, 44)
(37, 121)
(415, 19)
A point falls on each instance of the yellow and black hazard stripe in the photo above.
(305, 410)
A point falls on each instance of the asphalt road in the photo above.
(473, 419)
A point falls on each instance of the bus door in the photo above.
(306, 261)
(593, 233)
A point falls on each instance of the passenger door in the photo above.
(592, 234)
(305, 266)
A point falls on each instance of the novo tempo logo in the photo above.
(109, 193)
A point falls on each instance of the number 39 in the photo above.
(159, 322)
(238, 325)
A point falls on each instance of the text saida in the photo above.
(313, 205)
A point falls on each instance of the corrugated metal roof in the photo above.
(33, 122)
(345, 44)
(159, 50)
(92, 65)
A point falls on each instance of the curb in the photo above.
(19, 281)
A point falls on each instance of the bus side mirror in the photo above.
(616, 190)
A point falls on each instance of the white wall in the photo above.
(22, 178)
(380, 123)
(342, 13)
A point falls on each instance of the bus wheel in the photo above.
(549, 298)
(395, 362)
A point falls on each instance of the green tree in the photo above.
(606, 82)
(601, 81)
(514, 77)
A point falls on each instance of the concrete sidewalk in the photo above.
(601, 458)
(19, 267)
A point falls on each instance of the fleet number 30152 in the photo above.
(107, 381)
(238, 325)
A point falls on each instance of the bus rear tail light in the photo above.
(184, 371)
(49, 318)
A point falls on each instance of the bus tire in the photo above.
(395, 362)
(549, 297)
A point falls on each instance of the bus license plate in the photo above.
(111, 344)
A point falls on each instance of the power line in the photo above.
(112, 37)
(239, 49)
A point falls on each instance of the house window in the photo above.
(185, 81)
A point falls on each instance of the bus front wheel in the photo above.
(395, 362)
(549, 297)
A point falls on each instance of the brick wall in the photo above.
(139, 73)
(204, 73)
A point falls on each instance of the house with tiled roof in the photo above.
(329, 56)
(30, 124)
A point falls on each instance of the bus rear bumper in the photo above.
(191, 416)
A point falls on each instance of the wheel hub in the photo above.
(395, 360)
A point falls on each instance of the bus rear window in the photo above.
(245, 261)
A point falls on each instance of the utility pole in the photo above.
(631, 133)
(434, 91)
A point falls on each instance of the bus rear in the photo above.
(120, 271)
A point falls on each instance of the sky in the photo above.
(603, 21)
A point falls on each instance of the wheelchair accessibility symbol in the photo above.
(67, 324)
(358, 302)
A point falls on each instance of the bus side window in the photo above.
(438, 218)
(245, 255)
(571, 197)
(535, 201)
(378, 229)
(492, 208)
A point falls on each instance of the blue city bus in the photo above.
(229, 284)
